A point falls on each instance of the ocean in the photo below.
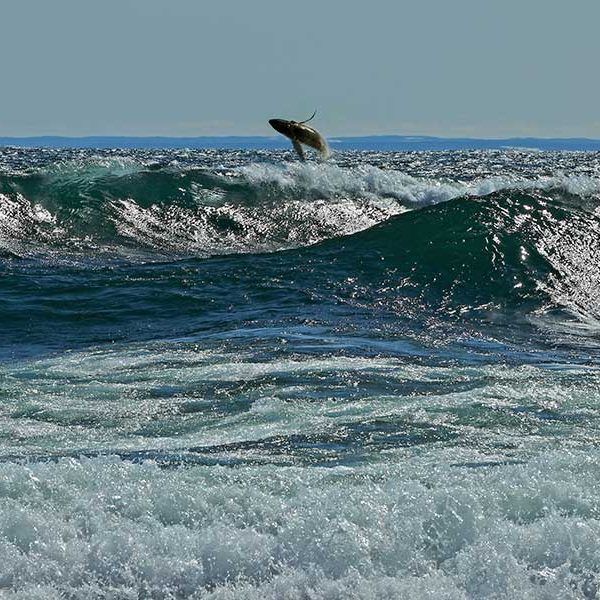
(227, 374)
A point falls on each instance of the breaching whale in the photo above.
(300, 133)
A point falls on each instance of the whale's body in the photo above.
(300, 133)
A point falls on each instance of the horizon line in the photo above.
(407, 137)
(378, 142)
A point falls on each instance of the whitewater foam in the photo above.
(105, 528)
(331, 181)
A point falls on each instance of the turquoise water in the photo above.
(228, 374)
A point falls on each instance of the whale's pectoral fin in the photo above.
(298, 148)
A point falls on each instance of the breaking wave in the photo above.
(123, 206)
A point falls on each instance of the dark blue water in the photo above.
(230, 374)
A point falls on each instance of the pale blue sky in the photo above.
(476, 68)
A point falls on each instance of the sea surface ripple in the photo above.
(229, 374)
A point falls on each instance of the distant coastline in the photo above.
(377, 142)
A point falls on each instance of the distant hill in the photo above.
(381, 142)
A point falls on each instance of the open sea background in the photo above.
(228, 374)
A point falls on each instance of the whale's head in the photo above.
(282, 126)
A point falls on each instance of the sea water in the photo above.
(229, 374)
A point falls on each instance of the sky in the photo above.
(452, 68)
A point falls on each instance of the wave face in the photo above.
(509, 248)
(124, 206)
(227, 374)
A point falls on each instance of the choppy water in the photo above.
(228, 374)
